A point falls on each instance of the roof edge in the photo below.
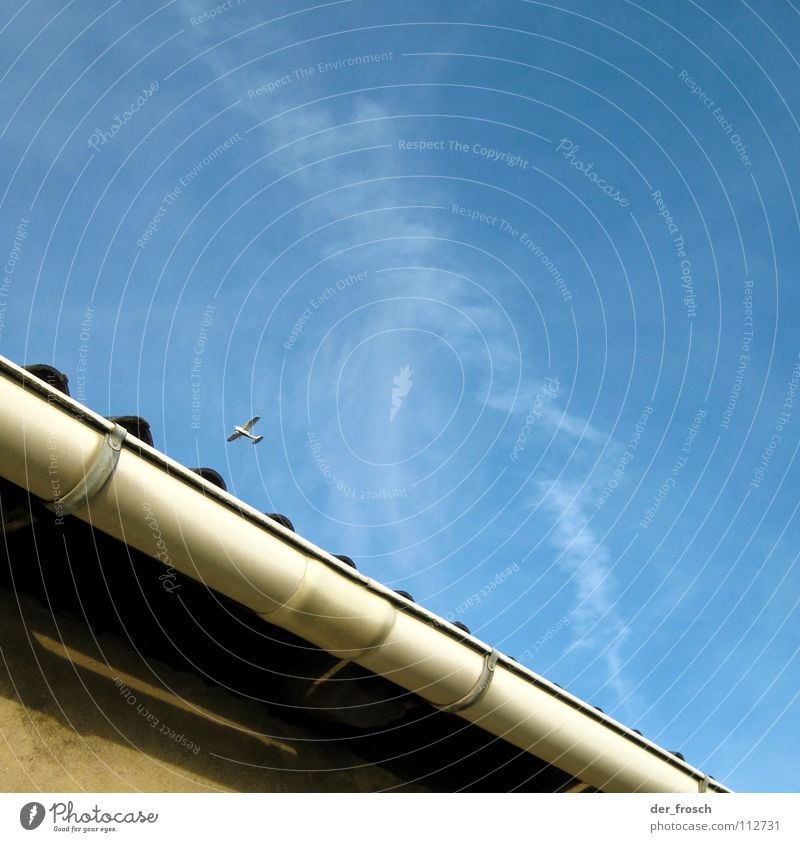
(230, 546)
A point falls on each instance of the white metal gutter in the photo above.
(63, 453)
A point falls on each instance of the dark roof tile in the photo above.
(214, 477)
(281, 519)
(136, 426)
(57, 379)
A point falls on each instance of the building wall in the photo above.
(79, 713)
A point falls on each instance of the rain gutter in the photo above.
(81, 464)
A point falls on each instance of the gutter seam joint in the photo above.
(480, 687)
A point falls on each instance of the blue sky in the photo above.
(512, 286)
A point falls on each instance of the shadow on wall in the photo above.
(82, 713)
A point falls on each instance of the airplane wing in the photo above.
(251, 423)
(233, 436)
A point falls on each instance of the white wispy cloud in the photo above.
(572, 426)
(598, 625)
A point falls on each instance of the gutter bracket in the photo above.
(97, 475)
(481, 685)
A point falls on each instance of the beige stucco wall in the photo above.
(78, 713)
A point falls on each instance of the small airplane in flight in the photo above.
(244, 430)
